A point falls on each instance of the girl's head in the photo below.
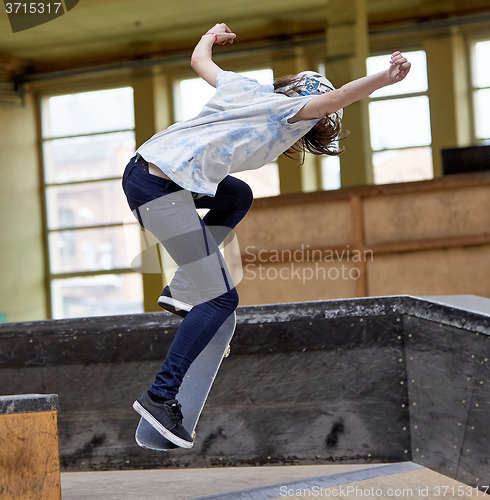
(321, 139)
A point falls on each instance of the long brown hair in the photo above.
(322, 137)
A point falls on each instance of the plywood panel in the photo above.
(436, 272)
(29, 456)
(436, 214)
(439, 356)
(297, 282)
(315, 224)
(474, 465)
(416, 485)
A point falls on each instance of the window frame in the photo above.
(473, 88)
(393, 97)
(50, 276)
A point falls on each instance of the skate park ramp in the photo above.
(371, 381)
(375, 482)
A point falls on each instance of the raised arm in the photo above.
(332, 101)
(202, 57)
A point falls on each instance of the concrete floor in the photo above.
(184, 484)
(342, 482)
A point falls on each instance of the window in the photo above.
(87, 139)
(330, 166)
(481, 90)
(192, 95)
(400, 124)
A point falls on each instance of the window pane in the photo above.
(482, 117)
(87, 204)
(416, 81)
(88, 112)
(91, 249)
(97, 295)
(482, 68)
(263, 181)
(399, 123)
(330, 172)
(404, 165)
(195, 93)
(85, 158)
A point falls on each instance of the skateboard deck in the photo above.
(194, 389)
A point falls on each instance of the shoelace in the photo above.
(176, 411)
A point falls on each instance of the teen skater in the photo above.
(244, 126)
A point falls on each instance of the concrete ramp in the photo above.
(399, 481)
(368, 381)
(350, 483)
(418, 484)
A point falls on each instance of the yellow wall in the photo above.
(22, 290)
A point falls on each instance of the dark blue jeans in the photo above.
(169, 213)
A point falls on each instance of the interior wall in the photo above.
(22, 290)
(421, 238)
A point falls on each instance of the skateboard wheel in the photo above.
(227, 352)
(193, 434)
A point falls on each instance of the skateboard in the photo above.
(194, 389)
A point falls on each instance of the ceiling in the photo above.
(98, 32)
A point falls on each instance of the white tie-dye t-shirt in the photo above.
(242, 127)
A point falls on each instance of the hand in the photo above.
(399, 68)
(225, 35)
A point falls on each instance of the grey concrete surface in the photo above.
(185, 484)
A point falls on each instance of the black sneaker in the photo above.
(167, 302)
(166, 418)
